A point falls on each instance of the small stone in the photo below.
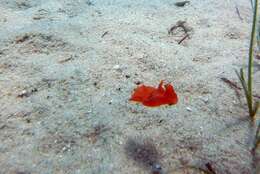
(204, 99)
(137, 82)
(24, 93)
(189, 109)
(119, 68)
(182, 3)
(116, 67)
(64, 149)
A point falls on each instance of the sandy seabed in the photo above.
(68, 68)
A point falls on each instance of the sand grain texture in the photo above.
(68, 68)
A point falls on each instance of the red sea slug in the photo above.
(152, 97)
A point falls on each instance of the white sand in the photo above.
(71, 80)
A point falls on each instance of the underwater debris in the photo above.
(234, 86)
(152, 97)
(65, 60)
(186, 30)
(27, 93)
(103, 35)
(238, 13)
(180, 24)
(144, 153)
(181, 3)
(186, 36)
(231, 84)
